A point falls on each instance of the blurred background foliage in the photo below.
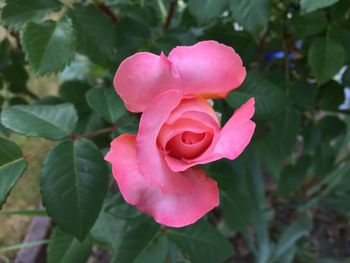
(286, 199)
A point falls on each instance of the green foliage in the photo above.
(269, 99)
(18, 13)
(251, 14)
(202, 243)
(52, 122)
(106, 103)
(95, 33)
(12, 166)
(325, 57)
(49, 45)
(285, 199)
(63, 248)
(74, 183)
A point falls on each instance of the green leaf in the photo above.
(269, 99)
(49, 46)
(284, 132)
(312, 5)
(106, 103)
(12, 166)
(292, 177)
(64, 248)
(109, 230)
(303, 95)
(331, 127)
(52, 122)
(303, 25)
(206, 11)
(95, 33)
(144, 244)
(18, 13)
(331, 96)
(74, 184)
(202, 243)
(325, 58)
(236, 206)
(294, 232)
(342, 36)
(253, 15)
(74, 91)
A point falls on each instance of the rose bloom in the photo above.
(155, 169)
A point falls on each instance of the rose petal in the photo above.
(208, 68)
(141, 78)
(150, 160)
(230, 143)
(169, 209)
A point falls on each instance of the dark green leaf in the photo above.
(109, 230)
(17, 13)
(64, 248)
(202, 243)
(49, 46)
(106, 103)
(331, 127)
(144, 244)
(17, 101)
(236, 206)
(311, 5)
(17, 76)
(12, 166)
(95, 32)
(74, 184)
(253, 15)
(74, 92)
(294, 232)
(308, 24)
(284, 132)
(292, 177)
(52, 122)
(331, 96)
(325, 58)
(269, 99)
(207, 10)
(303, 95)
(342, 36)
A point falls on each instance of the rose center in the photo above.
(191, 137)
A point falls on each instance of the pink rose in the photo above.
(178, 129)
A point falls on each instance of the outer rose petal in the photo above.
(172, 210)
(151, 163)
(231, 141)
(208, 68)
(141, 78)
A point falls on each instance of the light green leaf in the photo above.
(292, 234)
(64, 248)
(312, 5)
(325, 58)
(12, 166)
(144, 244)
(74, 184)
(95, 32)
(49, 46)
(52, 122)
(106, 103)
(269, 99)
(202, 243)
(253, 15)
(18, 13)
(207, 10)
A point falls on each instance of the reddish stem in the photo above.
(108, 11)
(74, 137)
(170, 14)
